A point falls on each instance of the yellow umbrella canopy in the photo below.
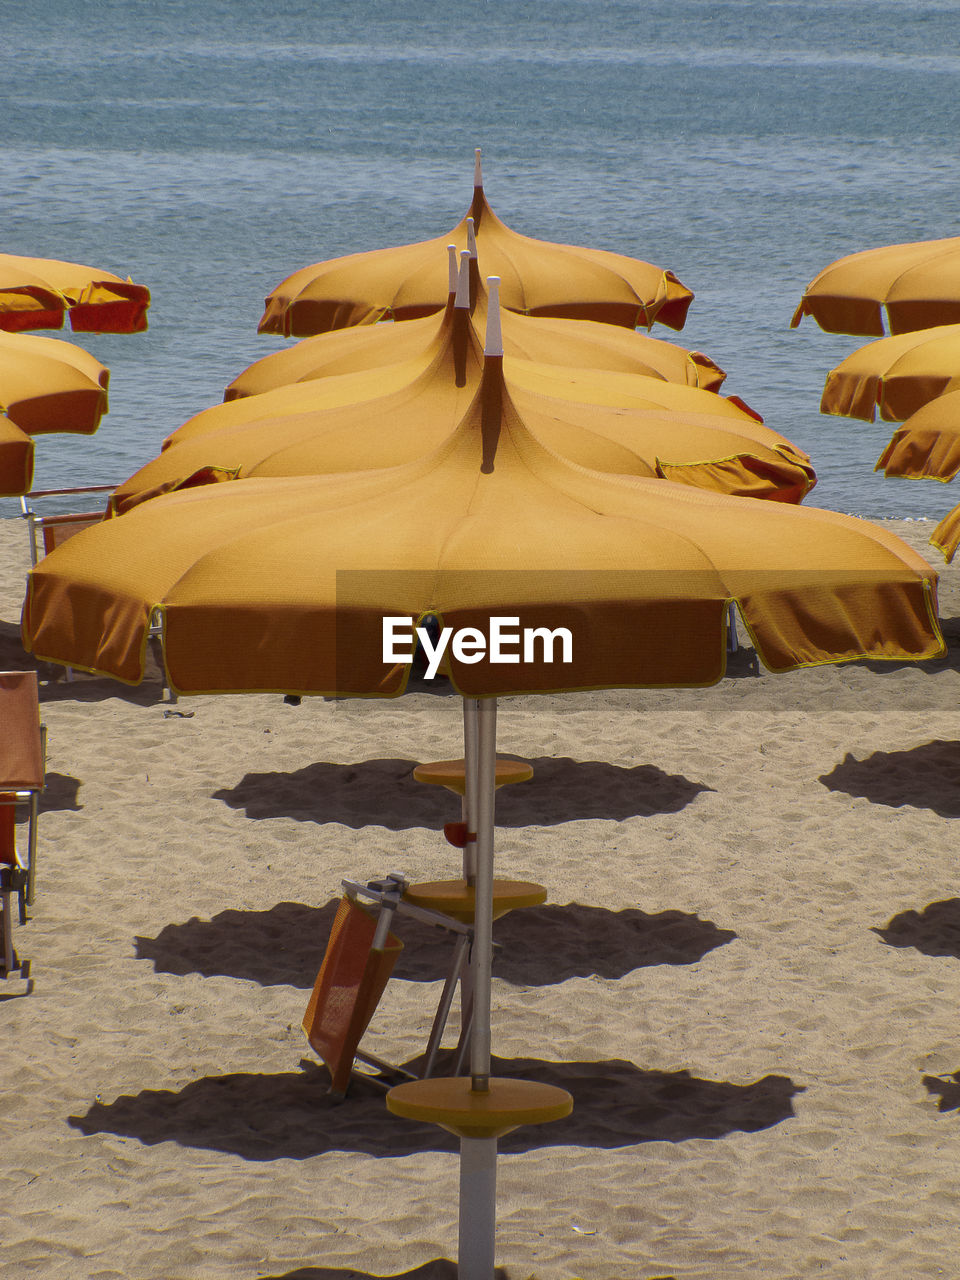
(539, 278)
(45, 386)
(895, 375)
(577, 343)
(692, 436)
(927, 445)
(283, 584)
(946, 536)
(917, 285)
(16, 459)
(36, 293)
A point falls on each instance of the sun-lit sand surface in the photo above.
(747, 973)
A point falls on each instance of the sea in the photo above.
(210, 149)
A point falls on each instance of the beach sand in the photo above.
(747, 973)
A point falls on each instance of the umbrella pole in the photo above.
(483, 916)
(478, 1208)
(469, 808)
(468, 815)
(478, 1156)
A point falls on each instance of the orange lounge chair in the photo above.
(359, 959)
(22, 755)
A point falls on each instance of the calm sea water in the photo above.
(211, 149)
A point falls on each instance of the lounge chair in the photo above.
(22, 760)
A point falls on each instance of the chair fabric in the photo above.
(21, 749)
(22, 768)
(348, 989)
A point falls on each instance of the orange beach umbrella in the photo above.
(232, 565)
(927, 445)
(287, 586)
(36, 293)
(46, 386)
(578, 343)
(917, 285)
(946, 536)
(644, 426)
(16, 459)
(895, 375)
(539, 278)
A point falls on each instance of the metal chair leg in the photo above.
(461, 948)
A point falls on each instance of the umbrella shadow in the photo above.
(383, 793)
(13, 656)
(87, 688)
(60, 792)
(539, 946)
(923, 777)
(947, 1088)
(935, 931)
(83, 687)
(289, 1116)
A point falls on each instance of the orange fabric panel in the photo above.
(21, 752)
(347, 990)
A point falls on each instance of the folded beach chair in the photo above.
(359, 960)
(22, 765)
(357, 964)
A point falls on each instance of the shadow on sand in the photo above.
(289, 1116)
(383, 793)
(924, 777)
(935, 930)
(538, 946)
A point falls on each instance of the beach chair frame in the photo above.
(46, 532)
(342, 1055)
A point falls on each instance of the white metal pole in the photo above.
(478, 1208)
(469, 806)
(483, 912)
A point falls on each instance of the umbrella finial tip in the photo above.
(471, 237)
(452, 272)
(477, 171)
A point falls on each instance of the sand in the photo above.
(747, 973)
